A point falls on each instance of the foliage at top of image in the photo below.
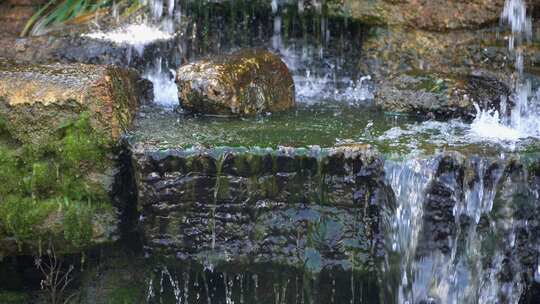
(58, 12)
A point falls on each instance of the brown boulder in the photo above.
(247, 82)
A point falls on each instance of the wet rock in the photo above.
(439, 74)
(247, 82)
(322, 209)
(436, 15)
(59, 128)
(441, 96)
(74, 48)
(444, 193)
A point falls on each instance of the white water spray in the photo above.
(409, 180)
(159, 28)
(164, 86)
(523, 120)
(136, 35)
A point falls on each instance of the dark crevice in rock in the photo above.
(124, 197)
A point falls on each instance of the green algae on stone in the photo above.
(321, 125)
(23, 216)
(59, 125)
(46, 192)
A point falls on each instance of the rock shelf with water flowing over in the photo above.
(270, 151)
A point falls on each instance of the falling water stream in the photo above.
(520, 120)
(465, 270)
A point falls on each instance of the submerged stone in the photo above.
(59, 125)
(245, 83)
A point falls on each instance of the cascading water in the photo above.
(456, 229)
(521, 120)
(317, 75)
(159, 72)
(162, 78)
(409, 180)
(316, 51)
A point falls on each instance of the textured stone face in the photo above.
(442, 96)
(443, 74)
(438, 15)
(38, 99)
(245, 83)
(297, 207)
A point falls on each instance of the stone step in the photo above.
(290, 206)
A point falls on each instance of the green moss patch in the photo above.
(132, 293)
(12, 297)
(53, 190)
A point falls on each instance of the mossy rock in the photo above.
(245, 83)
(59, 127)
(56, 192)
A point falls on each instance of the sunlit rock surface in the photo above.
(245, 83)
(418, 71)
(438, 15)
(295, 207)
(36, 100)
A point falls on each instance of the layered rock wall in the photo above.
(297, 208)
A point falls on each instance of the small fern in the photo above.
(57, 12)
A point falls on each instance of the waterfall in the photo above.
(155, 31)
(319, 52)
(459, 231)
(409, 180)
(523, 120)
(164, 87)
(159, 72)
